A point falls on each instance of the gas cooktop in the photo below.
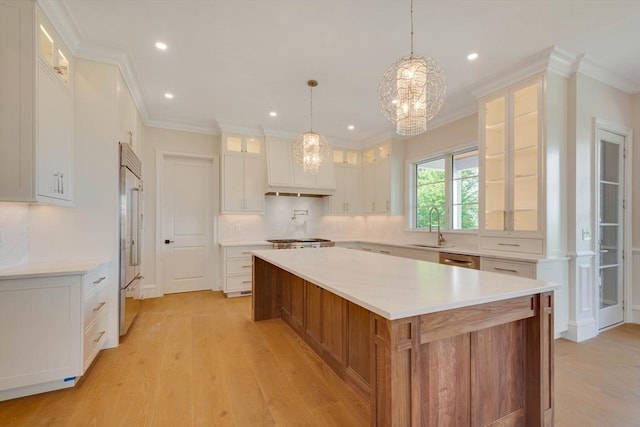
(301, 243)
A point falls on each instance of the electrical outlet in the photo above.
(586, 234)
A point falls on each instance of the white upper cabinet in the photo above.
(514, 195)
(242, 174)
(36, 105)
(285, 175)
(383, 179)
(348, 174)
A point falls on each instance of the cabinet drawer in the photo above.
(239, 265)
(239, 251)
(94, 279)
(94, 306)
(512, 244)
(94, 339)
(514, 268)
(238, 283)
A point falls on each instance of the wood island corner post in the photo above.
(395, 386)
(540, 370)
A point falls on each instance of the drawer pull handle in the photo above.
(99, 306)
(508, 244)
(99, 280)
(246, 281)
(246, 266)
(99, 336)
(246, 253)
(385, 252)
(455, 261)
(366, 249)
(510, 270)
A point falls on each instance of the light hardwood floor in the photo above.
(197, 359)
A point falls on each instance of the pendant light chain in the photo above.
(311, 108)
(411, 27)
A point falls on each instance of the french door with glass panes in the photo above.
(610, 238)
(511, 150)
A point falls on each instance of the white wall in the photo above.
(635, 206)
(14, 234)
(452, 136)
(168, 141)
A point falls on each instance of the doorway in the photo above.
(186, 226)
(610, 227)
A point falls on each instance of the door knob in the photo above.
(167, 241)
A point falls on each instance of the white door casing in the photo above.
(186, 232)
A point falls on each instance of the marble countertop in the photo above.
(395, 287)
(28, 271)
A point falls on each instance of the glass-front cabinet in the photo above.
(510, 150)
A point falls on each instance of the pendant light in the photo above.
(310, 149)
(411, 91)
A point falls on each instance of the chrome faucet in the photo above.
(440, 236)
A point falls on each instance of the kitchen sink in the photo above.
(430, 246)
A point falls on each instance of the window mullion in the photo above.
(448, 195)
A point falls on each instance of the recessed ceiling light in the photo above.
(161, 46)
(472, 56)
(168, 95)
(351, 127)
(273, 114)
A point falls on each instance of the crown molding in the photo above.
(516, 73)
(589, 67)
(183, 127)
(276, 133)
(236, 128)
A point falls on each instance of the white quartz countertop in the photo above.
(395, 287)
(28, 271)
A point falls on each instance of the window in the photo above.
(447, 188)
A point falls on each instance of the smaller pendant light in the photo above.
(310, 149)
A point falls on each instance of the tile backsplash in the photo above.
(14, 234)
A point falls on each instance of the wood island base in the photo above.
(484, 365)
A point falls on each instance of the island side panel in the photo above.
(265, 290)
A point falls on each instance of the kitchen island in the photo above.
(427, 344)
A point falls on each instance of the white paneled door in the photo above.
(187, 218)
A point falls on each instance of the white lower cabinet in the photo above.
(238, 269)
(51, 328)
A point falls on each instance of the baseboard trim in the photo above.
(150, 291)
(635, 314)
(581, 331)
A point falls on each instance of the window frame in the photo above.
(448, 210)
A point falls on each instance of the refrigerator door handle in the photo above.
(136, 250)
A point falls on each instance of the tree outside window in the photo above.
(450, 184)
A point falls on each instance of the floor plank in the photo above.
(197, 359)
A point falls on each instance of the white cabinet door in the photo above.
(40, 332)
(383, 185)
(54, 134)
(233, 183)
(253, 184)
(352, 188)
(368, 188)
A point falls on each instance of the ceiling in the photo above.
(229, 63)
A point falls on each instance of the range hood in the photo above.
(285, 177)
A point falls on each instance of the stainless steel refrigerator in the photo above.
(130, 235)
